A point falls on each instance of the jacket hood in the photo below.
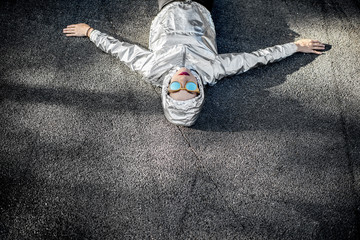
(183, 113)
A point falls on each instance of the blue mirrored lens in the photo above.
(191, 86)
(175, 86)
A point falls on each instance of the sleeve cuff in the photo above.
(94, 34)
(290, 48)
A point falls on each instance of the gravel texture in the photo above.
(86, 153)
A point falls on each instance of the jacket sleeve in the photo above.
(236, 63)
(132, 55)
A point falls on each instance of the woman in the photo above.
(183, 58)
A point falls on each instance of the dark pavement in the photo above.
(86, 153)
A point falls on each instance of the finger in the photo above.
(71, 26)
(319, 48)
(71, 35)
(315, 41)
(316, 52)
(318, 45)
(68, 31)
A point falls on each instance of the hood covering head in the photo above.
(183, 113)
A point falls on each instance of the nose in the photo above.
(183, 79)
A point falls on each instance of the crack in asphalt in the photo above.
(199, 168)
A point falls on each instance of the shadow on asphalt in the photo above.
(125, 101)
(80, 208)
(242, 102)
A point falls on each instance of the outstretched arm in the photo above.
(236, 63)
(132, 55)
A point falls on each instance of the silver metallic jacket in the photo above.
(183, 35)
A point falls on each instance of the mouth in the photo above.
(184, 73)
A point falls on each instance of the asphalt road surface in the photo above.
(86, 153)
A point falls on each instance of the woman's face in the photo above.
(183, 75)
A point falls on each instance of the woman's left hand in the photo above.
(309, 46)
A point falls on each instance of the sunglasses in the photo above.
(189, 86)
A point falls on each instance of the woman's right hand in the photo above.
(77, 30)
(309, 46)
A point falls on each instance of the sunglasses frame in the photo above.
(184, 88)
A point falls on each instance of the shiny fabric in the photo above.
(183, 35)
(206, 3)
(183, 113)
